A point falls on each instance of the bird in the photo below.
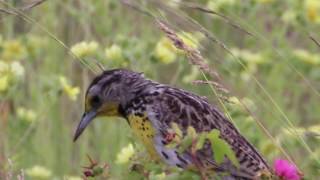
(150, 108)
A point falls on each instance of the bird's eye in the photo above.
(95, 101)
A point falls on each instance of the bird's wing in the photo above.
(186, 109)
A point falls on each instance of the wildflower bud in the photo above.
(88, 173)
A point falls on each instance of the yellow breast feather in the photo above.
(144, 130)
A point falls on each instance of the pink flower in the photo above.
(286, 170)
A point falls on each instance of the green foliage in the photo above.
(221, 148)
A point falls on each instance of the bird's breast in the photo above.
(143, 130)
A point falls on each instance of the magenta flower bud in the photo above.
(285, 170)
(88, 173)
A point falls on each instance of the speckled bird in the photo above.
(150, 108)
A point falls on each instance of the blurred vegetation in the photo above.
(42, 83)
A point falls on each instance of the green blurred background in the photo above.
(42, 81)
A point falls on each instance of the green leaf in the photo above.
(185, 143)
(221, 148)
(176, 129)
(192, 132)
(98, 171)
(201, 140)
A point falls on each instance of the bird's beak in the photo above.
(86, 119)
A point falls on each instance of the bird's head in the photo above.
(108, 94)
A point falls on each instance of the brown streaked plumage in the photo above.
(151, 108)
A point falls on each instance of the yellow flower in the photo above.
(289, 16)
(13, 50)
(234, 100)
(248, 56)
(307, 57)
(39, 172)
(190, 39)
(294, 131)
(164, 54)
(114, 52)
(4, 83)
(312, 8)
(84, 48)
(26, 114)
(251, 57)
(241, 104)
(17, 69)
(125, 154)
(314, 128)
(72, 92)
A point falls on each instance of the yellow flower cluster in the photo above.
(39, 172)
(312, 8)
(307, 57)
(167, 53)
(248, 56)
(301, 130)
(289, 16)
(125, 154)
(26, 114)
(114, 52)
(72, 92)
(10, 68)
(9, 73)
(12, 50)
(84, 49)
(241, 104)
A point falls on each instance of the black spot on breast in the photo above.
(164, 142)
(181, 159)
(140, 114)
(165, 155)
